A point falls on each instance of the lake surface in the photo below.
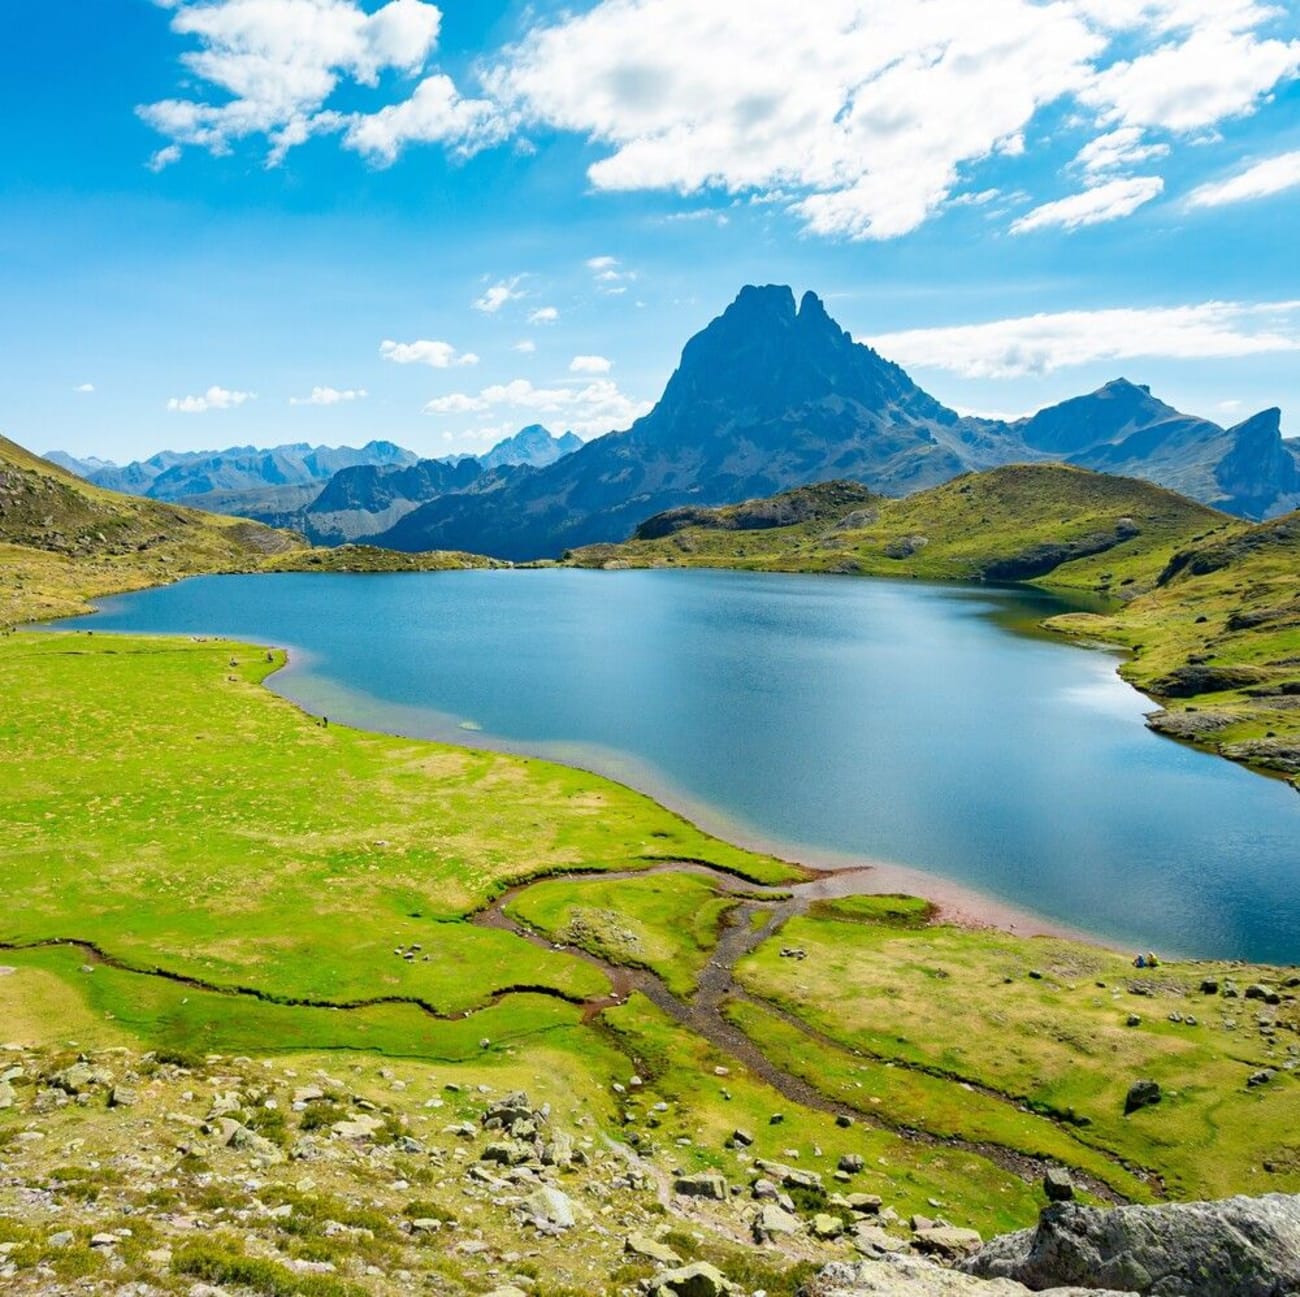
(876, 720)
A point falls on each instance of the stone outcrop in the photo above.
(1239, 1247)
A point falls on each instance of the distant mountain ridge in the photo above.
(295, 485)
(772, 395)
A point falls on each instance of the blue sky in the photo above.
(261, 221)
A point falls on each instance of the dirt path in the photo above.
(704, 1014)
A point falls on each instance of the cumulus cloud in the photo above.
(1272, 176)
(863, 118)
(1104, 202)
(507, 290)
(330, 396)
(425, 351)
(272, 67)
(595, 408)
(1039, 344)
(590, 365)
(544, 315)
(84, 388)
(215, 398)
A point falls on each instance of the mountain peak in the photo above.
(756, 301)
(763, 362)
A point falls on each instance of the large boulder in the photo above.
(909, 1276)
(1239, 1247)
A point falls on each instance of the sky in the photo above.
(231, 222)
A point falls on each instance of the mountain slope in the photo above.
(63, 540)
(769, 397)
(368, 499)
(1218, 640)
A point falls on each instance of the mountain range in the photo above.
(281, 485)
(772, 395)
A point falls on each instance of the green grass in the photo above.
(162, 805)
(962, 1006)
(958, 531)
(706, 1108)
(668, 923)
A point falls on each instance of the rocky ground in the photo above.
(125, 1173)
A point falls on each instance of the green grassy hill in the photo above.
(1042, 522)
(1218, 641)
(64, 542)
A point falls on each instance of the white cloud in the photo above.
(595, 408)
(863, 118)
(330, 396)
(1271, 176)
(1212, 74)
(1126, 147)
(425, 351)
(610, 278)
(84, 388)
(1040, 344)
(590, 365)
(498, 295)
(274, 65)
(525, 348)
(544, 315)
(858, 110)
(1104, 202)
(215, 398)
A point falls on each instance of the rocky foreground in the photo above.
(129, 1173)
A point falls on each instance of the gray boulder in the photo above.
(909, 1276)
(1239, 1247)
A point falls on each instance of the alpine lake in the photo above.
(830, 719)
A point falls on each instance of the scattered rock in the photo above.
(1141, 1094)
(947, 1241)
(704, 1184)
(549, 1206)
(1057, 1185)
(643, 1245)
(698, 1280)
(826, 1226)
(771, 1220)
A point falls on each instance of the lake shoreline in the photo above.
(836, 874)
